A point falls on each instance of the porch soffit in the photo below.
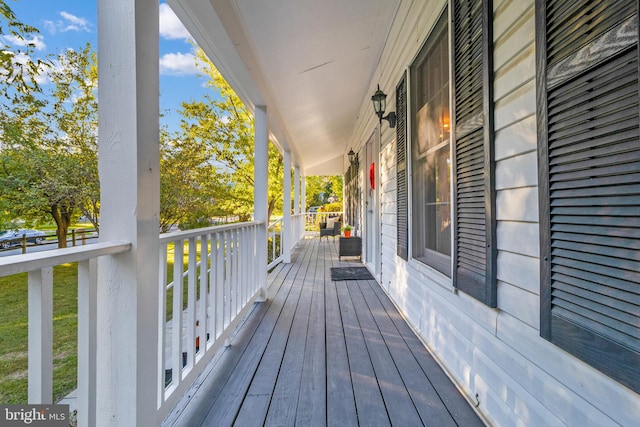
(311, 62)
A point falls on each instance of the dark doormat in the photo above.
(350, 273)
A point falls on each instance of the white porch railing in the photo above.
(297, 228)
(208, 281)
(211, 290)
(275, 253)
(274, 243)
(39, 267)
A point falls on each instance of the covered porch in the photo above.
(323, 352)
(311, 349)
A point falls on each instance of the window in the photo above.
(430, 152)
(475, 254)
(589, 151)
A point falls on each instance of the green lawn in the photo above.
(13, 334)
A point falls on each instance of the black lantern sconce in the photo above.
(353, 159)
(380, 104)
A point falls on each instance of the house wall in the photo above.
(494, 354)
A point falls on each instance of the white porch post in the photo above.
(129, 166)
(303, 194)
(40, 336)
(260, 195)
(286, 219)
(297, 235)
(296, 190)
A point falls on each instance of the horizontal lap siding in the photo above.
(516, 159)
(553, 398)
(557, 386)
(520, 378)
(388, 209)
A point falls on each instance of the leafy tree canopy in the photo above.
(322, 190)
(218, 132)
(18, 70)
(48, 161)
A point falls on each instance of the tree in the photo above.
(188, 184)
(320, 189)
(17, 68)
(75, 111)
(48, 167)
(223, 127)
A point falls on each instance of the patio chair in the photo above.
(330, 228)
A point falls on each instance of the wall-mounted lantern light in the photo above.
(380, 104)
(353, 158)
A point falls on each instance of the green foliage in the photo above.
(332, 207)
(218, 133)
(188, 183)
(17, 68)
(48, 164)
(320, 190)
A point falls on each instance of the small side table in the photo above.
(350, 246)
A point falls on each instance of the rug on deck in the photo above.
(350, 273)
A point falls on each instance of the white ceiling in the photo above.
(310, 61)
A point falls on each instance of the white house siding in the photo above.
(519, 378)
(388, 213)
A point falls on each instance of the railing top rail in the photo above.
(181, 235)
(16, 264)
(275, 222)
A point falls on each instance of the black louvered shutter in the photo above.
(402, 205)
(589, 131)
(474, 255)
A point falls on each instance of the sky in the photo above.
(70, 24)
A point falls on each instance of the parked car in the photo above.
(14, 237)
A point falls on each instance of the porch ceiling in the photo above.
(311, 62)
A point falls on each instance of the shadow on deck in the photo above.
(319, 352)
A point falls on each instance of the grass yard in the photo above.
(14, 329)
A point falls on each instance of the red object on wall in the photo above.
(372, 175)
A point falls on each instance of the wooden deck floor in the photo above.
(326, 353)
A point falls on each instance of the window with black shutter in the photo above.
(589, 155)
(401, 169)
(474, 257)
(430, 151)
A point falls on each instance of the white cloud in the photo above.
(178, 64)
(69, 22)
(170, 26)
(37, 41)
(75, 23)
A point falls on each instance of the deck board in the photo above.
(312, 400)
(370, 405)
(319, 352)
(399, 405)
(282, 410)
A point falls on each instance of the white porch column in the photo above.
(303, 193)
(129, 166)
(297, 234)
(296, 190)
(260, 195)
(286, 219)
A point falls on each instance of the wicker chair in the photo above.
(331, 231)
